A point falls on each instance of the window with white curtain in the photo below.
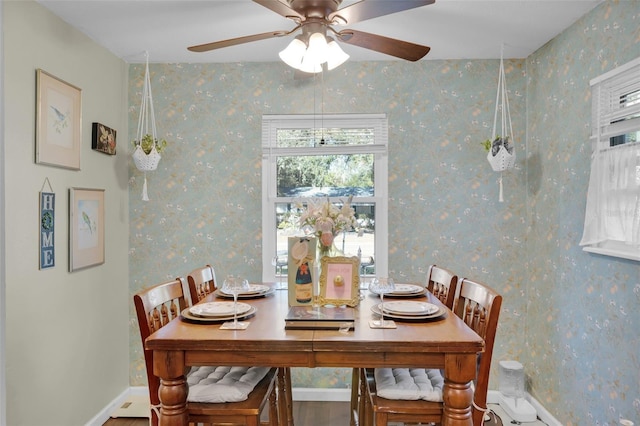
(612, 217)
(332, 156)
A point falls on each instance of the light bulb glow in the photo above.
(309, 57)
(336, 56)
(293, 53)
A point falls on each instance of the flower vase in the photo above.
(329, 251)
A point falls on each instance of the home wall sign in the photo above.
(47, 227)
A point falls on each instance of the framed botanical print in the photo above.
(86, 228)
(339, 281)
(58, 122)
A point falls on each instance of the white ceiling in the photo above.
(454, 29)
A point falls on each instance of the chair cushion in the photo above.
(223, 384)
(409, 383)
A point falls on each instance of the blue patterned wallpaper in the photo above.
(560, 303)
(582, 310)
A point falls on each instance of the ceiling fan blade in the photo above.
(235, 41)
(390, 46)
(281, 8)
(364, 10)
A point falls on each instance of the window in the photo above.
(612, 218)
(334, 156)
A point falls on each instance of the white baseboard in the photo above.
(321, 394)
(104, 414)
(545, 416)
(302, 394)
(299, 394)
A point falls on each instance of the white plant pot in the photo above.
(502, 160)
(146, 162)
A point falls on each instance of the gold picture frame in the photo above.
(339, 281)
(58, 122)
(86, 228)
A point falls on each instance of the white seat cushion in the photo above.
(223, 384)
(409, 383)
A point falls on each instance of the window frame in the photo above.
(611, 118)
(270, 153)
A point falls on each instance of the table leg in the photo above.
(169, 367)
(457, 394)
(285, 403)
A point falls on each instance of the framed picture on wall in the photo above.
(339, 281)
(103, 139)
(86, 228)
(58, 122)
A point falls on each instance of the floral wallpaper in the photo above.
(582, 316)
(570, 317)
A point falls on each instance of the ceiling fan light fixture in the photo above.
(317, 50)
(308, 65)
(292, 55)
(335, 55)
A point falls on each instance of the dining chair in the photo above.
(442, 283)
(479, 307)
(157, 306)
(202, 282)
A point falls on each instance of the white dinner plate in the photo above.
(218, 309)
(253, 289)
(187, 315)
(407, 289)
(404, 290)
(245, 296)
(439, 314)
(407, 307)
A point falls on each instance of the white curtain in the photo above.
(613, 199)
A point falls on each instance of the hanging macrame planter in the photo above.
(502, 155)
(146, 156)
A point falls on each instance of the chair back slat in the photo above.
(442, 283)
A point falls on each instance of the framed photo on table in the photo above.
(339, 281)
(86, 228)
(58, 122)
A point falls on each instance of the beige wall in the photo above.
(66, 333)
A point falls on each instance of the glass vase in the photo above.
(329, 251)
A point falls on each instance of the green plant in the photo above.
(148, 141)
(495, 145)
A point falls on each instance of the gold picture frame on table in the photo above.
(86, 228)
(339, 281)
(58, 122)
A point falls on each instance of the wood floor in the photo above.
(305, 413)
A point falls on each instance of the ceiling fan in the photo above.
(308, 51)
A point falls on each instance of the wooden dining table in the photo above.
(446, 343)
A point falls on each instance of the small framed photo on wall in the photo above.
(103, 139)
(339, 281)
